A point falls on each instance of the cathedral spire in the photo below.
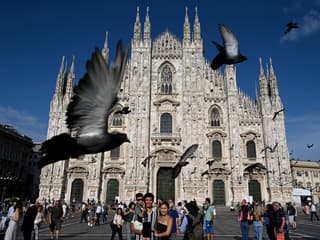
(70, 79)
(105, 50)
(186, 28)
(61, 71)
(147, 27)
(137, 28)
(262, 80)
(196, 27)
(261, 68)
(273, 81)
(60, 78)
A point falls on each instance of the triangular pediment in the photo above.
(166, 100)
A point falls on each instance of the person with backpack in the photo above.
(244, 217)
(191, 224)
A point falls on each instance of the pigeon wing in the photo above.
(96, 93)
(229, 40)
(177, 169)
(188, 153)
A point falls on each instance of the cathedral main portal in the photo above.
(165, 184)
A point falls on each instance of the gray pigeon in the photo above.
(95, 97)
(183, 160)
(229, 53)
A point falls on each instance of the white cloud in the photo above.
(309, 24)
(25, 123)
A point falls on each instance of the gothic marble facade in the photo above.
(177, 100)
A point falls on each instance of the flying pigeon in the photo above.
(290, 26)
(277, 112)
(183, 160)
(94, 99)
(124, 110)
(230, 52)
(205, 173)
(270, 149)
(145, 161)
(210, 162)
(310, 146)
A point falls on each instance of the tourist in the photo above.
(244, 217)
(164, 223)
(116, 224)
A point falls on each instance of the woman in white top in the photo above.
(11, 233)
(39, 218)
(116, 224)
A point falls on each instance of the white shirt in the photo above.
(10, 212)
(117, 219)
(99, 209)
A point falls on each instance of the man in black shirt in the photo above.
(279, 218)
(28, 220)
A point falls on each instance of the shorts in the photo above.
(209, 227)
(291, 219)
(55, 225)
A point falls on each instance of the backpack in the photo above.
(195, 228)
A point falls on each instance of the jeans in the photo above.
(244, 226)
(128, 229)
(258, 228)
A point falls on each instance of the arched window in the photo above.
(251, 149)
(117, 120)
(215, 117)
(166, 123)
(115, 153)
(166, 80)
(216, 150)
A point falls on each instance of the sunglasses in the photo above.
(139, 199)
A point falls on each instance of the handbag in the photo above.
(137, 225)
(280, 236)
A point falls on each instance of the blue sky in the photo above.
(36, 34)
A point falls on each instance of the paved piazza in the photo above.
(226, 227)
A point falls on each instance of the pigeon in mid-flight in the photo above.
(309, 145)
(271, 149)
(290, 26)
(183, 160)
(95, 97)
(229, 53)
(276, 113)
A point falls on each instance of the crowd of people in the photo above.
(146, 218)
(278, 220)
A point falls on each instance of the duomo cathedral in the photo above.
(177, 100)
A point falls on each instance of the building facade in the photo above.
(177, 100)
(306, 175)
(17, 177)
